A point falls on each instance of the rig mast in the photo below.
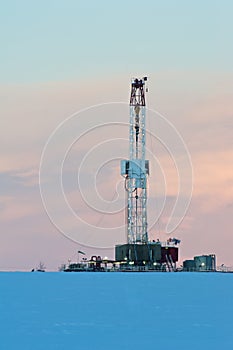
(136, 169)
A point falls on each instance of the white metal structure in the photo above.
(136, 169)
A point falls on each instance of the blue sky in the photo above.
(60, 40)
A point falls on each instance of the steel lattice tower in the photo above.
(136, 169)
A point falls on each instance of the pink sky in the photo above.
(198, 104)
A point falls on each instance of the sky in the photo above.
(62, 57)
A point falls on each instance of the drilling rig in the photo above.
(138, 250)
(136, 169)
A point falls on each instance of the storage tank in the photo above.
(205, 262)
(189, 265)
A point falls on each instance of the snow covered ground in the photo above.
(123, 311)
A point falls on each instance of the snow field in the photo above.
(122, 311)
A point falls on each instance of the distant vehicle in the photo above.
(41, 268)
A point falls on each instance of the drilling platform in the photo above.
(139, 253)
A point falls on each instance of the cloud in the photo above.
(214, 179)
(14, 208)
(20, 194)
